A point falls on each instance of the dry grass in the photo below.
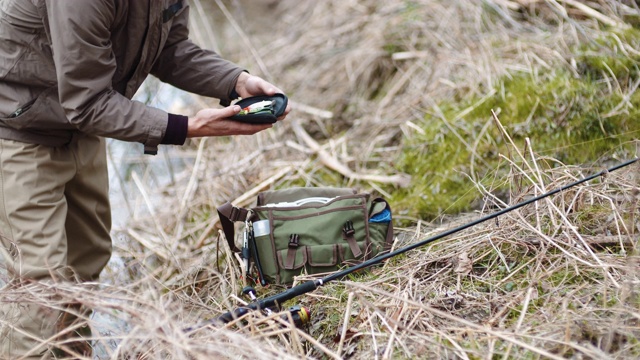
(533, 284)
(557, 279)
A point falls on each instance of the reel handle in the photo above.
(251, 292)
(231, 315)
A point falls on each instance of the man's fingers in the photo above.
(286, 112)
(259, 86)
(230, 111)
(267, 88)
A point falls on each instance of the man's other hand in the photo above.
(251, 85)
(214, 122)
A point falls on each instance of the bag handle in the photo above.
(229, 214)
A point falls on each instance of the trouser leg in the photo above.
(88, 240)
(54, 224)
(32, 233)
(88, 220)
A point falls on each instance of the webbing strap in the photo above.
(229, 214)
(348, 234)
(294, 242)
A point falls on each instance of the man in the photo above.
(68, 71)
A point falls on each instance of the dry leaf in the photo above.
(465, 264)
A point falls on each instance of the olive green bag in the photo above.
(300, 231)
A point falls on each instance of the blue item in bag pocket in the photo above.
(383, 216)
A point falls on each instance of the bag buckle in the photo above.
(348, 230)
(294, 241)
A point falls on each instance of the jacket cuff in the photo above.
(155, 132)
(176, 133)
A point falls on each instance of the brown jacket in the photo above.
(70, 66)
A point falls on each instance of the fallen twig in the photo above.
(333, 163)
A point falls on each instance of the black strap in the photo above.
(229, 214)
(294, 242)
(348, 234)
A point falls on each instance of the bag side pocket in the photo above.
(380, 227)
(267, 254)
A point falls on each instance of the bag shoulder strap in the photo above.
(229, 214)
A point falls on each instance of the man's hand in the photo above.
(213, 122)
(250, 85)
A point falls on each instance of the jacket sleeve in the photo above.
(80, 38)
(189, 67)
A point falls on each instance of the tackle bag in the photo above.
(309, 231)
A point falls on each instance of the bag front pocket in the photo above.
(314, 239)
(307, 260)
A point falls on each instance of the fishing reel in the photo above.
(300, 315)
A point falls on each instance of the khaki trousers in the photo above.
(54, 225)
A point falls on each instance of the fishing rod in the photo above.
(297, 312)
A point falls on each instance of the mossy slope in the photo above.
(582, 115)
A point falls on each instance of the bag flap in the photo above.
(298, 193)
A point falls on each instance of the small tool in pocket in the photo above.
(261, 109)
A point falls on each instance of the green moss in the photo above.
(608, 56)
(633, 20)
(591, 220)
(576, 120)
(569, 277)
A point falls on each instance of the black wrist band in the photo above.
(176, 133)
